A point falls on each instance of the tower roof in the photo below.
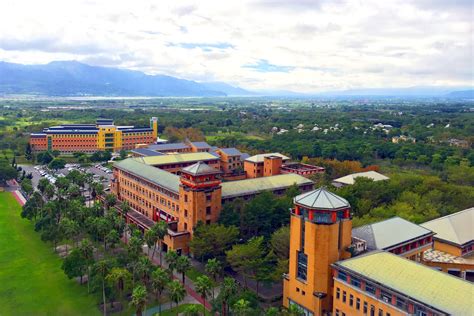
(321, 199)
(200, 168)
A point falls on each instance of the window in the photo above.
(338, 293)
(185, 198)
(358, 303)
(342, 275)
(401, 303)
(372, 310)
(355, 282)
(370, 288)
(386, 297)
(380, 312)
(208, 210)
(208, 197)
(337, 312)
(351, 300)
(343, 296)
(185, 226)
(302, 266)
(365, 307)
(185, 213)
(208, 222)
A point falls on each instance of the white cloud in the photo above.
(320, 44)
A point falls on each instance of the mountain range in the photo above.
(72, 78)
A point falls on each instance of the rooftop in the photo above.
(350, 179)
(231, 151)
(389, 233)
(440, 290)
(176, 158)
(200, 168)
(172, 146)
(157, 176)
(200, 145)
(260, 158)
(321, 199)
(256, 185)
(146, 152)
(456, 228)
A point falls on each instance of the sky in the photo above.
(294, 45)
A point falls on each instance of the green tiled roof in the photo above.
(176, 158)
(249, 186)
(440, 290)
(200, 168)
(160, 177)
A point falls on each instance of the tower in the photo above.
(154, 126)
(200, 196)
(272, 165)
(320, 233)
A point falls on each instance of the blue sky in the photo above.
(298, 45)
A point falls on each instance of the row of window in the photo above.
(355, 302)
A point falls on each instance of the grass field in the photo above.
(31, 279)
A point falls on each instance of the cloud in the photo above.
(301, 45)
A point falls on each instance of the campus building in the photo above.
(327, 276)
(89, 138)
(184, 189)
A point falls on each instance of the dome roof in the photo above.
(200, 168)
(321, 199)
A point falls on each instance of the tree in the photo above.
(102, 269)
(183, 264)
(27, 186)
(139, 295)
(7, 172)
(211, 241)
(241, 307)
(161, 230)
(123, 154)
(176, 292)
(119, 277)
(247, 258)
(45, 157)
(57, 163)
(192, 310)
(172, 258)
(228, 290)
(280, 242)
(42, 183)
(203, 286)
(69, 229)
(213, 269)
(75, 264)
(150, 239)
(159, 281)
(28, 152)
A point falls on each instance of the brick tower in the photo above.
(320, 233)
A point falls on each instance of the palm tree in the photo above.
(102, 268)
(87, 252)
(143, 269)
(228, 289)
(121, 278)
(150, 239)
(241, 307)
(125, 207)
(182, 265)
(213, 269)
(203, 286)
(159, 280)
(161, 230)
(139, 295)
(172, 258)
(176, 292)
(192, 310)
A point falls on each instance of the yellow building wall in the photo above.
(347, 309)
(322, 249)
(441, 246)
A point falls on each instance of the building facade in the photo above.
(89, 138)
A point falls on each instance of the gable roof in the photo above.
(171, 146)
(350, 179)
(389, 233)
(231, 151)
(261, 157)
(146, 152)
(176, 158)
(200, 145)
(157, 176)
(456, 228)
(200, 168)
(257, 185)
(440, 290)
(321, 199)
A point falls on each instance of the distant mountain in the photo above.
(465, 94)
(395, 92)
(71, 78)
(227, 89)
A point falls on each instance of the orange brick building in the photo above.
(89, 138)
(327, 277)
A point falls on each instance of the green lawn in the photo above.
(31, 279)
(193, 274)
(179, 309)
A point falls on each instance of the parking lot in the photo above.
(100, 173)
